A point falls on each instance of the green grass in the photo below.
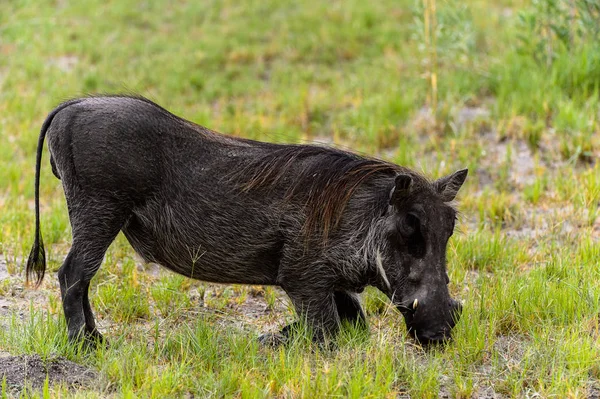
(515, 99)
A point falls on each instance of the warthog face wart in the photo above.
(319, 222)
(418, 224)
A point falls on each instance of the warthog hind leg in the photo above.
(95, 225)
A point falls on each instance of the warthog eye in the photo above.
(410, 225)
(409, 229)
(453, 225)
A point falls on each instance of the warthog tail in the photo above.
(36, 263)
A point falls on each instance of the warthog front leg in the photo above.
(348, 309)
(319, 312)
(311, 292)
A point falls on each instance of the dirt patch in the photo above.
(31, 371)
(15, 299)
(481, 393)
(65, 63)
(3, 268)
(594, 391)
(253, 313)
(466, 115)
(500, 150)
(511, 349)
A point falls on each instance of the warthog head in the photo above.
(412, 262)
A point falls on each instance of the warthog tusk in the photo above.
(379, 264)
(409, 309)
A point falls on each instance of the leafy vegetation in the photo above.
(509, 89)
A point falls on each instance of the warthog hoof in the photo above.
(289, 333)
(90, 340)
(272, 340)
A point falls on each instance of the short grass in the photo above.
(509, 89)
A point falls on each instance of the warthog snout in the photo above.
(430, 327)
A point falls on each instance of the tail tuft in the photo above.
(36, 263)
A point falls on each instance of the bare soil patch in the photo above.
(3, 268)
(31, 371)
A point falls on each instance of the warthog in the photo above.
(319, 222)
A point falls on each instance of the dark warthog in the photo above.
(319, 222)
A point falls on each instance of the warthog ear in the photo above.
(402, 186)
(448, 186)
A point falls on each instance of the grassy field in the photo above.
(509, 89)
